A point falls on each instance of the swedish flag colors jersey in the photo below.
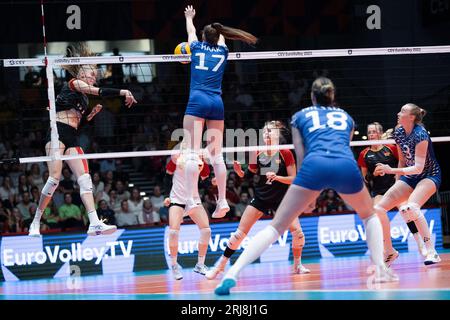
(325, 131)
(207, 66)
(408, 143)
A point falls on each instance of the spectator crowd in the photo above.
(148, 126)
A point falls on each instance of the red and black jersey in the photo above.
(278, 163)
(368, 159)
(69, 98)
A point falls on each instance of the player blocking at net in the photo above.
(71, 106)
(321, 136)
(205, 105)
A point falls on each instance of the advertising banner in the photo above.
(132, 250)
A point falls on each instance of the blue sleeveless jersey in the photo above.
(408, 145)
(325, 131)
(328, 161)
(207, 66)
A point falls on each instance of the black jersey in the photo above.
(272, 193)
(69, 98)
(368, 159)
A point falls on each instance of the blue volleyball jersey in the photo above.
(408, 144)
(207, 66)
(325, 131)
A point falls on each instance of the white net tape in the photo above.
(233, 56)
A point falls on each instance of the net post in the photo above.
(54, 137)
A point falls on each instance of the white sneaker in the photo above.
(101, 228)
(213, 273)
(432, 258)
(385, 274)
(391, 258)
(221, 209)
(300, 269)
(201, 268)
(34, 230)
(176, 271)
(224, 287)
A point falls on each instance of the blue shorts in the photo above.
(413, 181)
(205, 105)
(340, 174)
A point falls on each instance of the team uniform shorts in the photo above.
(340, 174)
(205, 105)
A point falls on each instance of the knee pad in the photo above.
(193, 158)
(85, 183)
(50, 186)
(236, 239)
(205, 235)
(410, 212)
(298, 239)
(217, 159)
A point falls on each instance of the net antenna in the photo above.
(54, 137)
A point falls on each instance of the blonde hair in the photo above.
(79, 50)
(384, 134)
(418, 112)
(377, 125)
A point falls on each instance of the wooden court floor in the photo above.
(337, 278)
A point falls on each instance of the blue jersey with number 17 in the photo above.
(325, 131)
(207, 66)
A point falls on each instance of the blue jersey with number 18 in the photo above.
(207, 66)
(325, 131)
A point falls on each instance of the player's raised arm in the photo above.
(189, 14)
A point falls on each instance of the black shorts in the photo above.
(68, 135)
(268, 208)
(177, 204)
(374, 193)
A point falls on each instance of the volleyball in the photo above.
(183, 48)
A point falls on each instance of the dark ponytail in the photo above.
(323, 90)
(212, 32)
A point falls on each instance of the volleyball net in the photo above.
(372, 85)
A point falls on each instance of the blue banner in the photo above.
(53, 256)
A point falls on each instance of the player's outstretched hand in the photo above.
(129, 99)
(189, 12)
